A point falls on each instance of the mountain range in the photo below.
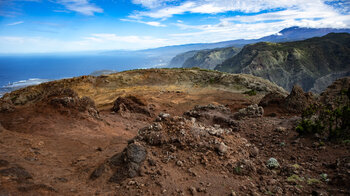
(299, 62)
(164, 55)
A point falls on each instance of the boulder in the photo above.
(243, 167)
(222, 148)
(128, 163)
(272, 163)
(252, 111)
(136, 153)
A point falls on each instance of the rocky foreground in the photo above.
(166, 132)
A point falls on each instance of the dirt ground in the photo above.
(45, 151)
(61, 150)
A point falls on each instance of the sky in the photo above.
(40, 26)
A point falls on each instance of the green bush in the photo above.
(251, 92)
(306, 126)
(333, 121)
(211, 80)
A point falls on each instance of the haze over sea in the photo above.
(17, 71)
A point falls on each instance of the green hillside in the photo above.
(289, 63)
(209, 59)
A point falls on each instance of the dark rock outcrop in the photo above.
(129, 162)
(337, 93)
(126, 164)
(252, 111)
(273, 98)
(16, 173)
(130, 104)
(297, 101)
(64, 99)
(212, 114)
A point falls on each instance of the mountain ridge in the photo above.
(287, 34)
(166, 53)
(289, 63)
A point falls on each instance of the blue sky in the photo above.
(32, 26)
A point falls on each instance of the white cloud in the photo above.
(101, 41)
(222, 6)
(166, 12)
(142, 40)
(15, 23)
(229, 29)
(281, 14)
(151, 3)
(151, 23)
(81, 6)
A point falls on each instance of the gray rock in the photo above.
(222, 148)
(97, 172)
(272, 163)
(136, 153)
(254, 152)
(164, 115)
(280, 129)
(252, 111)
(179, 163)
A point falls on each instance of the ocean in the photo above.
(17, 71)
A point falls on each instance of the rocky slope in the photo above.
(179, 59)
(209, 59)
(324, 81)
(286, 64)
(164, 132)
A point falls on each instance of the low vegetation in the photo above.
(250, 92)
(332, 121)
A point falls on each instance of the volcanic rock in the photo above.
(252, 111)
(272, 98)
(130, 104)
(17, 173)
(337, 93)
(298, 100)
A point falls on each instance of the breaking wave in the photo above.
(21, 84)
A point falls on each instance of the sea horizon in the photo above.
(19, 71)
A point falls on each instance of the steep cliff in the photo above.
(289, 63)
(209, 59)
(179, 59)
